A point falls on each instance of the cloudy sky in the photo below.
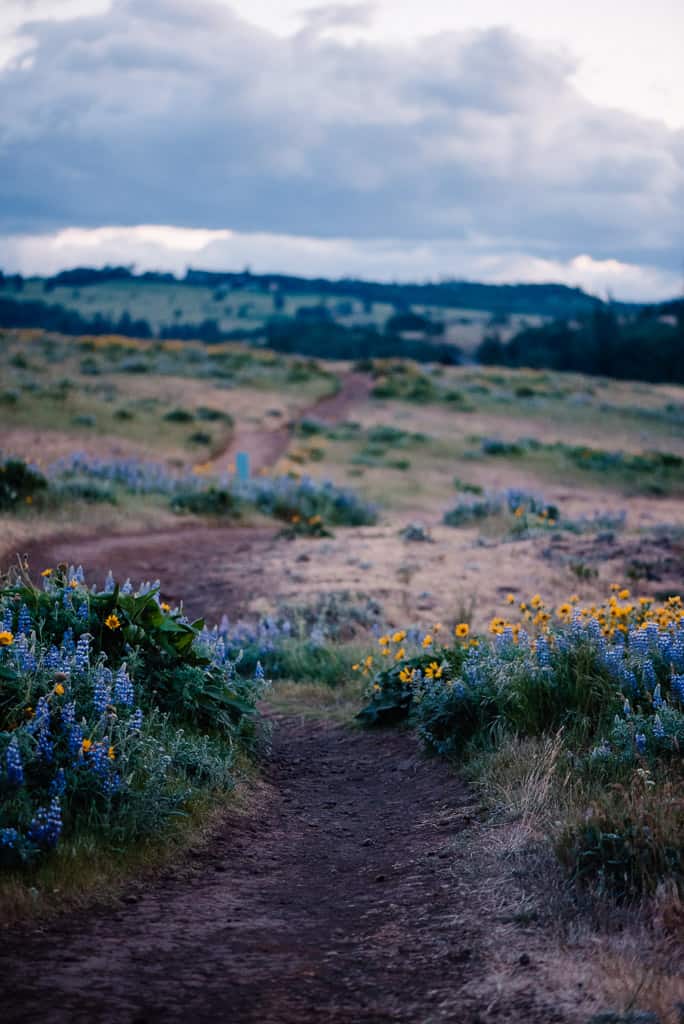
(398, 139)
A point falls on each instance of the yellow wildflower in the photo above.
(6, 638)
(510, 598)
(112, 622)
(86, 745)
(624, 594)
(356, 667)
(73, 584)
(406, 675)
(536, 601)
(59, 690)
(401, 653)
(111, 754)
(399, 636)
(433, 671)
(462, 630)
(427, 640)
(165, 607)
(383, 641)
(368, 661)
(47, 572)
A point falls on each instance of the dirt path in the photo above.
(349, 894)
(265, 447)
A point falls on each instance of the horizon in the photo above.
(383, 141)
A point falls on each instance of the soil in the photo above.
(354, 891)
(265, 447)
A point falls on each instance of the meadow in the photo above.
(488, 561)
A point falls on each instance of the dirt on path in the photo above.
(265, 447)
(349, 894)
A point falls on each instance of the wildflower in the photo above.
(406, 675)
(401, 653)
(658, 728)
(536, 601)
(113, 622)
(640, 742)
(15, 768)
(399, 636)
(427, 640)
(165, 607)
(123, 689)
(86, 745)
(383, 641)
(368, 662)
(510, 598)
(564, 610)
(356, 667)
(59, 690)
(385, 652)
(462, 630)
(436, 628)
(6, 638)
(73, 584)
(624, 594)
(46, 572)
(111, 754)
(520, 511)
(376, 687)
(46, 826)
(433, 671)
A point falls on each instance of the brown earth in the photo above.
(265, 447)
(358, 889)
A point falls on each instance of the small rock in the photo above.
(524, 960)
(379, 878)
(367, 842)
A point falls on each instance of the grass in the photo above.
(86, 871)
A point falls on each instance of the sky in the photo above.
(475, 139)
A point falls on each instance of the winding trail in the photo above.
(348, 894)
(265, 447)
(356, 887)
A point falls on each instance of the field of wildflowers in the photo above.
(608, 678)
(115, 713)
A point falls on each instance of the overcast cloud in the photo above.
(471, 147)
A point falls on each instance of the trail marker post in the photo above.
(242, 466)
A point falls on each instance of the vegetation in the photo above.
(116, 713)
(607, 679)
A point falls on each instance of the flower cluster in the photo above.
(88, 702)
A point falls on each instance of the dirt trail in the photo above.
(348, 895)
(265, 447)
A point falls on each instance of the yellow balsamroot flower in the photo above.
(383, 641)
(564, 610)
(401, 653)
(574, 599)
(624, 594)
(113, 622)
(520, 511)
(427, 640)
(111, 754)
(165, 607)
(474, 642)
(368, 661)
(399, 636)
(433, 671)
(462, 630)
(497, 625)
(377, 687)
(6, 638)
(536, 601)
(406, 675)
(436, 628)
(356, 667)
(59, 690)
(315, 520)
(385, 651)
(510, 598)
(73, 584)
(47, 572)
(615, 587)
(86, 745)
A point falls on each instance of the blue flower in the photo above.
(658, 728)
(123, 688)
(46, 826)
(82, 653)
(15, 768)
(640, 742)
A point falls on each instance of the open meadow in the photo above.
(404, 716)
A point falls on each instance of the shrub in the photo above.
(179, 416)
(19, 482)
(114, 711)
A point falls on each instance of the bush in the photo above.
(114, 711)
(179, 416)
(609, 680)
(19, 483)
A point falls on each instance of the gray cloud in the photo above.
(160, 111)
